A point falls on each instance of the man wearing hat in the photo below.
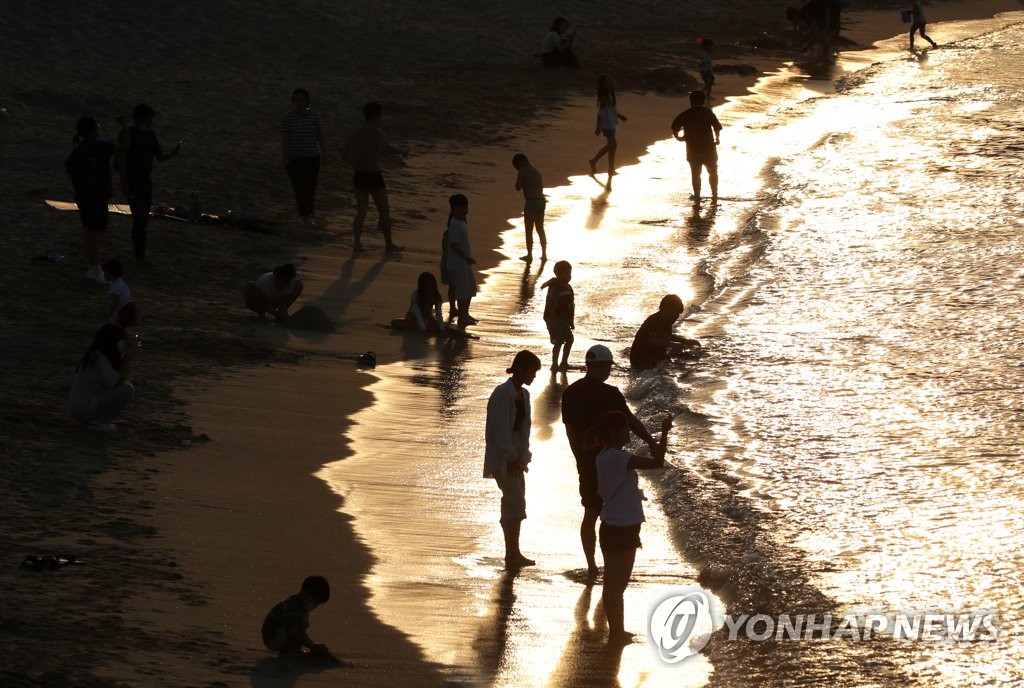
(583, 404)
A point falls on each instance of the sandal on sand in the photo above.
(49, 562)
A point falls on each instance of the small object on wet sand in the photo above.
(367, 360)
(186, 443)
(48, 563)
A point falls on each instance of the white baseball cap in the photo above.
(599, 353)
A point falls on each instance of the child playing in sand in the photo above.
(284, 628)
(560, 314)
(531, 184)
(654, 341)
(622, 511)
(122, 308)
(707, 72)
(425, 305)
(273, 292)
(608, 118)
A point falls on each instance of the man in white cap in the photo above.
(583, 404)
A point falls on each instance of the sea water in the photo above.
(851, 441)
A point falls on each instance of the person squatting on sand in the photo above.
(654, 341)
(556, 48)
(507, 451)
(121, 311)
(702, 134)
(100, 389)
(363, 151)
(89, 169)
(560, 314)
(303, 150)
(273, 292)
(139, 146)
(622, 512)
(285, 627)
(584, 404)
(529, 181)
(425, 310)
(608, 118)
(459, 259)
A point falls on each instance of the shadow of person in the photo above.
(698, 227)
(342, 292)
(598, 207)
(528, 284)
(272, 672)
(491, 641)
(547, 408)
(587, 659)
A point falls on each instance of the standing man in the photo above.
(702, 134)
(303, 150)
(529, 181)
(584, 403)
(139, 146)
(363, 151)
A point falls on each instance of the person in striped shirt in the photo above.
(303, 150)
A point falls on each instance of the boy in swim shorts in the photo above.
(529, 181)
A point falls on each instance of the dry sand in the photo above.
(186, 548)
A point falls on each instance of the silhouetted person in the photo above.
(705, 67)
(556, 49)
(584, 403)
(917, 24)
(364, 150)
(273, 292)
(285, 627)
(654, 340)
(560, 314)
(303, 150)
(530, 182)
(139, 147)
(608, 118)
(100, 389)
(702, 134)
(89, 169)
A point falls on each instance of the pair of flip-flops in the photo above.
(50, 562)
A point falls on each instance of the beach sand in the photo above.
(186, 547)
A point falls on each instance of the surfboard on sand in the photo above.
(403, 325)
(119, 208)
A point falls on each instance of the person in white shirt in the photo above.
(507, 450)
(122, 310)
(608, 118)
(273, 292)
(100, 389)
(622, 511)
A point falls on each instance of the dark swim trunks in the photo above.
(619, 538)
(368, 181)
(94, 214)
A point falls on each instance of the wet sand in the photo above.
(187, 549)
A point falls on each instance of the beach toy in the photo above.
(905, 16)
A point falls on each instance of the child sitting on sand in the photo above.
(284, 628)
(122, 308)
(560, 314)
(274, 292)
(424, 301)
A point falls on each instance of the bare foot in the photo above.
(527, 258)
(518, 562)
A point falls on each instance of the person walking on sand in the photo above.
(917, 24)
(363, 151)
(622, 512)
(608, 118)
(139, 146)
(702, 134)
(584, 404)
(507, 450)
(88, 166)
(560, 314)
(529, 181)
(303, 150)
(459, 260)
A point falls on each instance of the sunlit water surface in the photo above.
(858, 289)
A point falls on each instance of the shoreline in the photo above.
(212, 548)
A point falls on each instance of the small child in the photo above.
(530, 182)
(122, 308)
(707, 72)
(608, 118)
(274, 292)
(560, 314)
(284, 628)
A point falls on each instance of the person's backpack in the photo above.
(84, 170)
